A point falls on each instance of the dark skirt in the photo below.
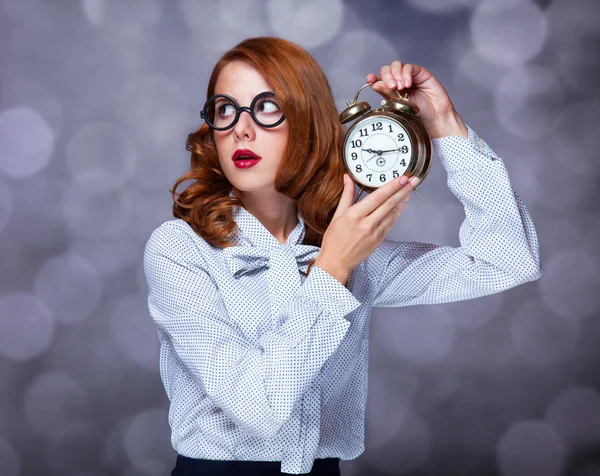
(203, 467)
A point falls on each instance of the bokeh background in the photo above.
(96, 100)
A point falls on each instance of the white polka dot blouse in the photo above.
(261, 362)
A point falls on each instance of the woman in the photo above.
(262, 287)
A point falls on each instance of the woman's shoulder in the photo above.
(176, 235)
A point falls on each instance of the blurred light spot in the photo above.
(157, 209)
(100, 157)
(575, 413)
(530, 448)
(508, 33)
(70, 286)
(310, 23)
(439, 383)
(52, 401)
(478, 70)
(527, 110)
(147, 442)
(10, 461)
(353, 54)
(108, 256)
(571, 297)
(362, 49)
(129, 17)
(26, 142)
(134, 332)
(573, 151)
(542, 337)
(97, 215)
(6, 205)
(389, 398)
(246, 16)
(486, 348)
(151, 107)
(404, 333)
(572, 17)
(442, 6)
(35, 96)
(81, 440)
(409, 451)
(474, 313)
(26, 326)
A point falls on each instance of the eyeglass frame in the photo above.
(238, 111)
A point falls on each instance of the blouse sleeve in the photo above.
(255, 383)
(498, 243)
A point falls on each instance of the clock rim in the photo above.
(420, 141)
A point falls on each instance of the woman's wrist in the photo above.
(449, 125)
(336, 271)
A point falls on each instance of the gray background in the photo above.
(97, 97)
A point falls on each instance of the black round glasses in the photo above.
(221, 112)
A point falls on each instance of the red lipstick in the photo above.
(245, 158)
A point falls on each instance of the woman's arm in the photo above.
(254, 383)
(498, 243)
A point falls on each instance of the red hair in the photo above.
(311, 170)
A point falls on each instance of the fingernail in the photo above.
(390, 83)
(401, 83)
(403, 179)
(414, 181)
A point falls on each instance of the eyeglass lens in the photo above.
(222, 111)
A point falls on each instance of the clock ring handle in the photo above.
(369, 84)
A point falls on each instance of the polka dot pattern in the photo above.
(249, 378)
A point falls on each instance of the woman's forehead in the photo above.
(241, 81)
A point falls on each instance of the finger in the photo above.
(409, 71)
(381, 88)
(388, 78)
(347, 198)
(394, 201)
(386, 223)
(396, 69)
(375, 199)
(372, 77)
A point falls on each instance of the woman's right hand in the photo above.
(356, 230)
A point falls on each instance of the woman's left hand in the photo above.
(436, 109)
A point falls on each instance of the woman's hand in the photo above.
(357, 229)
(436, 109)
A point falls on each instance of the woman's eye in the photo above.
(226, 109)
(268, 106)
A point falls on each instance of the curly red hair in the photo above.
(311, 170)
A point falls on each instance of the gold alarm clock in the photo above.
(385, 143)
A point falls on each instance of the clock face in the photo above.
(377, 150)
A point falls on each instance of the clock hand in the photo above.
(370, 151)
(376, 154)
(389, 150)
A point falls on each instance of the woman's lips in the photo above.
(245, 158)
(245, 163)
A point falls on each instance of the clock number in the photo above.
(382, 177)
(358, 168)
(396, 174)
(356, 143)
(391, 130)
(400, 137)
(370, 176)
(354, 156)
(379, 126)
(404, 149)
(363, 132)
(403, 163)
